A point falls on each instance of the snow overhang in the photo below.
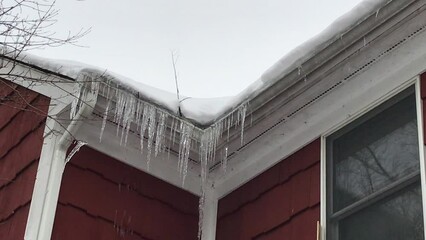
(256, 110)
(205, 112)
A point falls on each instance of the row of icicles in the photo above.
(152, 123)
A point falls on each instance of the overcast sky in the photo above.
(222, 45)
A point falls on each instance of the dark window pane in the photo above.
(398, 218)
(375, 153)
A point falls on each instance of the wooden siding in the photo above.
(282, 203)
(102, 198)
(22, 121)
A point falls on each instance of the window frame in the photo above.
(361, 116)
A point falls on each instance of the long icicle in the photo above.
(152, 123)
(151, 132)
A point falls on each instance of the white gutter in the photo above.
(52, 164)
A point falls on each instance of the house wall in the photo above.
(22, 121)
(282, 203)
(102, 198)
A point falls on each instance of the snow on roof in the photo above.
(207, 111)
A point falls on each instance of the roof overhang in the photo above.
(312, 97)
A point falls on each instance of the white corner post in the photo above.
(51, 166)
(48, 180)
(210, 215)
(422, 147)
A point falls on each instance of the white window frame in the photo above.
(422, 148)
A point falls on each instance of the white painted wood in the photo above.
(163, 167)
(210, 215)
(336, 108)
(51, 167)
(323, 193)
(51, 194)
(50, 85)
(419, 105)
(46, 187)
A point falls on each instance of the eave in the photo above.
(302, 84)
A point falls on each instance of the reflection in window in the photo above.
(373, 175)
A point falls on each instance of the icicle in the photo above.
(225, 160)
(172, 126)
(365, 43)
(117, 104)
(201, 204)
(186, 132)
(143, 124)
(119, 109)
(175, 129)
(94, 87)
(299, 70)
(228, 127)
(151, 132)
(160, 133)
(75, 150)
(129, 117)
(152, 124)
(137, 119)
(104, 119)
(232, 118)
(242, 110)
(204, 152)
(75, 102)
(207, 148)
(237, 120)
(138, 115)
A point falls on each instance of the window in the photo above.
(373, 175)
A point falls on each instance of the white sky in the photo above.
(223, 45)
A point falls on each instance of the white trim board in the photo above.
(422, 147)
(393, 71)
(47, 183)
(164, 166)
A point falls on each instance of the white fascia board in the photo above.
(50, 85)
(390, 74)
(164, 166)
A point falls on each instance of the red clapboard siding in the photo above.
(22, 118)
(281, 203)
(23, 123)
(14, 227)
(115, 201)
(18, 192)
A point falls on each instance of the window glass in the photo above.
(373, 175)
(398, 218)
(375, 153)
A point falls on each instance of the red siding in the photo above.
(22, 119)
(281, 203)
(101, 198)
